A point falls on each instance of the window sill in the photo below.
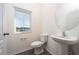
(23, 32)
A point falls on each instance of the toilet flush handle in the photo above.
(6, 34)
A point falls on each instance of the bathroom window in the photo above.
(23, 20)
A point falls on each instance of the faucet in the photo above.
(63, 34)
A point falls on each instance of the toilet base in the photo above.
(38, 50)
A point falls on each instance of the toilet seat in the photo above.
(36, 44)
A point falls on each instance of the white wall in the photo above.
(49, 26)
(70, 15)
(70, 23)
(48, 18)
(1, 11)
(14, 43)
(43, 21)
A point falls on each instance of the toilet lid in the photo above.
(36, 43)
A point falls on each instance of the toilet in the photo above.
(38, 45)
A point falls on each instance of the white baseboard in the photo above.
(49, 51)
(16, 52)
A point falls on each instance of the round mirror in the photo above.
(67, 16)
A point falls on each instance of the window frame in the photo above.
(25, 11)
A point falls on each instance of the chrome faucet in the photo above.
(63, 34)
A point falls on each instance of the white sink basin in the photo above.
(65, 40)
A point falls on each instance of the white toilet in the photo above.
(37, 45)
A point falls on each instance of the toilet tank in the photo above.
(44, 37)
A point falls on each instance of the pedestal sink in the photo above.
(65, 40)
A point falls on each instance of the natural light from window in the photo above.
(23, 20)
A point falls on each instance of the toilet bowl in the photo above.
(37, 45)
